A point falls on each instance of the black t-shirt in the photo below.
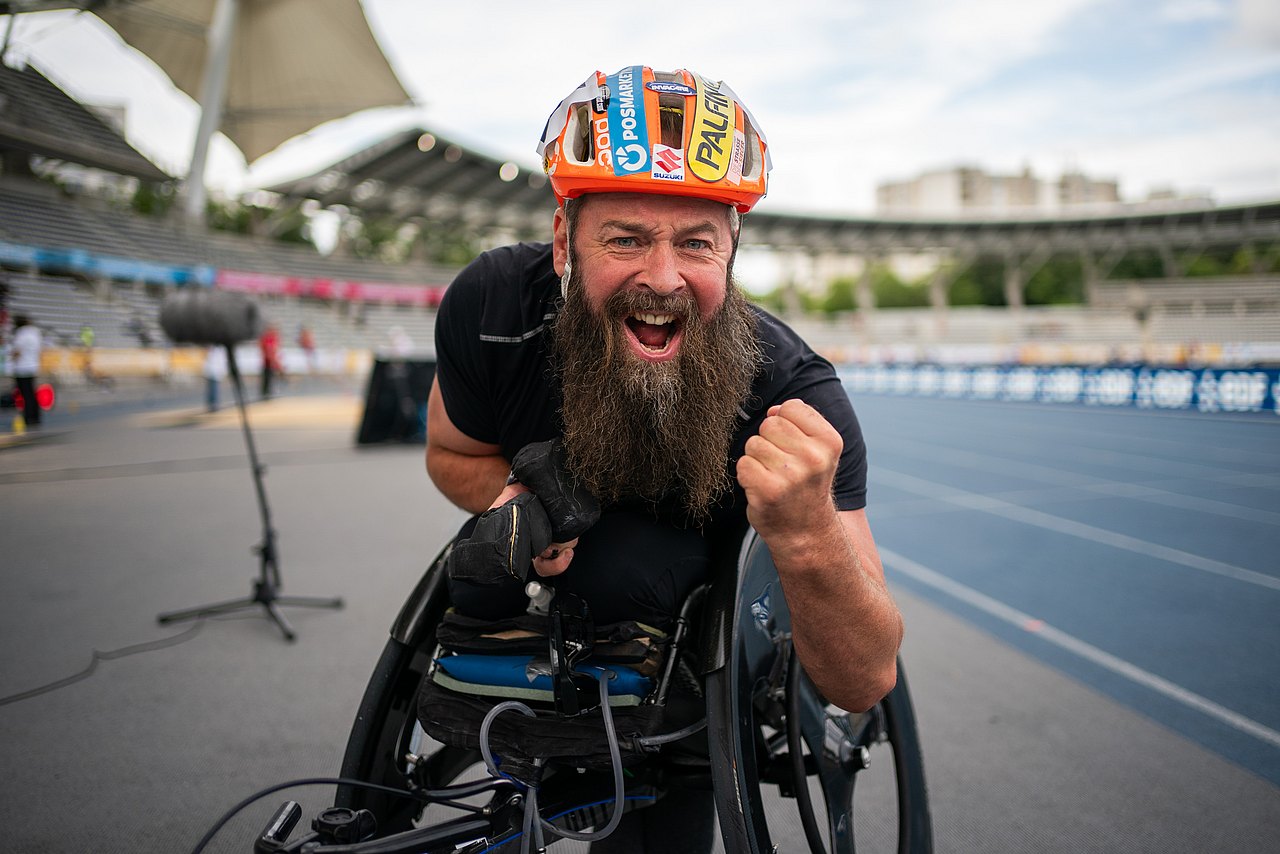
(494, 368)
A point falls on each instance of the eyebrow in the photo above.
(637, 227)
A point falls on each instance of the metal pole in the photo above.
(8, 35)
(213, 93)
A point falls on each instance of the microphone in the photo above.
(209, 317)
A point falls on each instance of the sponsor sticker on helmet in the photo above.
(668, 163)
(738, 157)
(628, 124)
(711, 144)
(669, 88)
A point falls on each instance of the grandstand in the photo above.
(81, 260)
(75, 260)
(88, 262)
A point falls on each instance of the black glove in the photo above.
(570, 508)
(503, 544)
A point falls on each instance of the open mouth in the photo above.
(654, 336)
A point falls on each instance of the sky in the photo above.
(1156, 94)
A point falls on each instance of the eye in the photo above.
(697, 244)
(625, 242)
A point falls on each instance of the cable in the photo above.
(491, 764)
(110, 655)
(531, 817)
(615, 759)
(305, 781)
(668, 737)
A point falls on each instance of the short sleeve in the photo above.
(461, 369)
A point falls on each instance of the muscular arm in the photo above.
(469, 473)
(845, 625)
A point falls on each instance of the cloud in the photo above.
(1192, 11)
(850, 93)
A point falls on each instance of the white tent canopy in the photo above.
(293, 64)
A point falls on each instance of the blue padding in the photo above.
(512, 671)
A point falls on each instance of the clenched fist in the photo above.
(788, 469)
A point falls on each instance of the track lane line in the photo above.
(1057, 637)
(1038, 518)
(980, 461)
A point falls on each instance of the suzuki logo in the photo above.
(669, 160)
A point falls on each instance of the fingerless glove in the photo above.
(503, 544)
(571, 509)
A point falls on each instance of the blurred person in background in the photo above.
(214, 370)
(307, 343)
(25, 366)
(269, 343)
(399, 343)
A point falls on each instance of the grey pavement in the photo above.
(102, 527)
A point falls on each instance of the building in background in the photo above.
(962, 191)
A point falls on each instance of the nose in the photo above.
(661, 272)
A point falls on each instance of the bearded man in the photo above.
(679, 406)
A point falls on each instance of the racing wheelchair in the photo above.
(765, 725)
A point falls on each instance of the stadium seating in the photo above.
(123, 313)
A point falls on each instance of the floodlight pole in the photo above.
(213, 95)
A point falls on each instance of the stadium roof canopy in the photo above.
(418, 173)
(293, 64)
(36, 117)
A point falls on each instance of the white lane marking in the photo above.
(963, 458)
(996, 507)
(1061, 639)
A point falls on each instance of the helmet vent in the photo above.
(579, 135)
(671, 120)
(751, 163)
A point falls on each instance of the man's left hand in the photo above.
(556, 558)
(788, 469)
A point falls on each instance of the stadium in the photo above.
(80, 255)
(1069, 413)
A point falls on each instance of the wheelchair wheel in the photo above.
(386, 728)
(767, 724)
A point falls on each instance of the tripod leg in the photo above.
(227, 607)
(277, 616)
(310, 601)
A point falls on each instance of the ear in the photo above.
(560, 242)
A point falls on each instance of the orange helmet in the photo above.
(646, 131)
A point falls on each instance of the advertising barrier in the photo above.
(63, 261)
(1142, 386)
(318, 288)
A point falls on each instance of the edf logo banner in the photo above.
(628, 125)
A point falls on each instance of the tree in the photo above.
(981, 284)
(152, 199)
(1059, 282)
(892, 292)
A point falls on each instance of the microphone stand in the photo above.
(266, 587)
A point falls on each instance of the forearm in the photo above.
(471, 482)
(845, 626)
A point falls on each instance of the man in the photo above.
(269, 344)
(25, 357)
(681, 406)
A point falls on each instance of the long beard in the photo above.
(654, 430)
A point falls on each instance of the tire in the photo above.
(762, 714)
(386, 726)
